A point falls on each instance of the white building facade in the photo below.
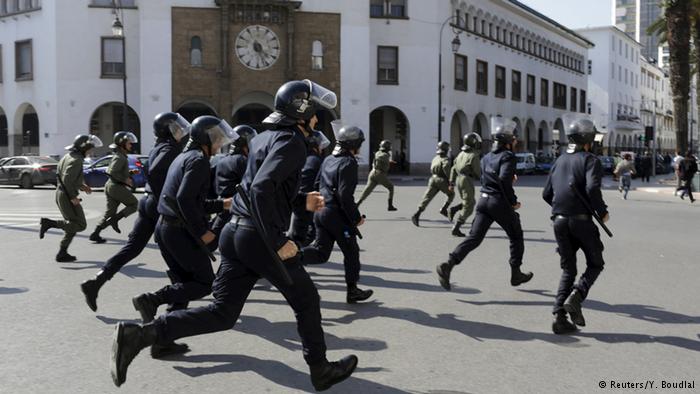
(512, 62)
(656, 108)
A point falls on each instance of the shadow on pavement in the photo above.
(112, 321)
(276, 372)
(130, 270)
(59, 232)
(13, 290)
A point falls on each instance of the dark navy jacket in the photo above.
(497, 171)
(338, 180)
(229, 173)
(159, 160)
(187, 183)
(272, 180)
(584, 170)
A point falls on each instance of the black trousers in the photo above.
(571, 235)
(488, 210)
(301, 229)
(138, 238)
(687, 188)
(188, 264)
(332, 227)
(245, 260)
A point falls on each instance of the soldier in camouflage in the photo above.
(465, 170)
(379, 174)
(440, 168)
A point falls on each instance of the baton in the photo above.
(590, 210)
(257, 222)
(170, 203)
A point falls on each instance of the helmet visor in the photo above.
(322, 96)
(474, 136)
(131, 137)
(323, 141)
(179, 127)
(95, 141)
(500, 125)
(221, 134)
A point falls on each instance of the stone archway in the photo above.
(481, 127)
(26, 135)
(390, 123)
(558, 133)
(252, 108)
(4, 135)
(519, 134)
(531, 136)
(108, 119)
(458, 128)
(191, 110)
(544, 144)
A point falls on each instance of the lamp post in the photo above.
(455, 47)
(118, 32)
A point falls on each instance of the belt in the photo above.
(581, 216)
(240, 221)
(172, 221)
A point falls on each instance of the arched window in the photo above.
(196, 51)
(317, 55)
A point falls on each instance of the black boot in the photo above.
(518, 277)
(113, 221)
(453, 211)
(45, 225)
(354, 294)
(443, 271)
(147, 305)
(171, 349)
(415, 219)
(443, 212)
(91, 288)
(391, 205)
(456, 231)
(561, 325)
(326, 374)
(95, 236)
(64, 257)
(573, 306)
(129, 339)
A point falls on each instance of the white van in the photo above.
(526, 163)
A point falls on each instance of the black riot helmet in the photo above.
(210, 131)
(502, 132)
(347, 137)
(245, 135)
(580, 130)
(84, 142)
(121, 138)
(443, 148)
(472, 141)
(385, 146)
(299, 100)
(170, 125)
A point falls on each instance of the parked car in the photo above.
(27, 171)
(96, 173)
(526, 163)
(608, 164)
(543, 164)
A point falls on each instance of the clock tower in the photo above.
(229, 60)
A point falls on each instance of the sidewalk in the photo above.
(664, 184)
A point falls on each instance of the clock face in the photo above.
(257, 47)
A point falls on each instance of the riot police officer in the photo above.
(272, 183)
(380, 174)
(440, 168)
(498, 204)
(339, 219)
(576, 174)
(301, 229)
(69, 175)
(229, 172)
(465, 170)
(169, 129)
(118, 189)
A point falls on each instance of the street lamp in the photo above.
(455, 47)
(118, 32)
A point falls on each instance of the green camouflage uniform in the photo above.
(465, 170)
(378, 175)
(117, 190)
(439, 182)
(70, 171)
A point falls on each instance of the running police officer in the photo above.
(302, 229)
(498, 204)
(272, 183)
(169, 129)
(339, 219)
(229, 172)
(380, 174)
(465, 170)
(119, 186)
(440, 169)
(573, 228)
(69, 175)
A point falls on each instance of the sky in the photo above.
(575, 14)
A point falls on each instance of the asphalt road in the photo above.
(483, 337)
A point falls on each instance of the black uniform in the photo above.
(301, 229)
(159, 159)
(272, 181)
(229, 173)
(186, 185)
(573, 227)
(335, 222)
(496, 204)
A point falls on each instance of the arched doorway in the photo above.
(611, 143)
(543, 142)
(618, 142)
(191, 110)
(108, 119)
(4, 135)
(519, 134)
(481, 127)
(458, 128)
(531, 136)
(252, 108)
(389, 123)
(26, 141)
(558, 133)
